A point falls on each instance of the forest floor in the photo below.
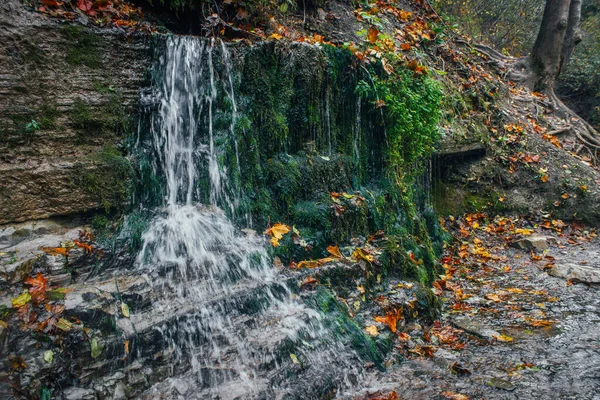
(508, 329)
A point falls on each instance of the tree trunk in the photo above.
(573, 34)
(547, 53)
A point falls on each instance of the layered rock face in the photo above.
(67, 98)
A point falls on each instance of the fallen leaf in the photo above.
(525, 232)
(454, 396)
(95, 348)
(503, 338)
(48, 356)
(54, 251)
(362, 254)
(459, 369)
(64, 324)
(38, 287)
(308, 264)
(335, 251)
(294, 358)
(125, 309)
(21, 300)
(372, 330)
(373, 34)
(276, 232)
(391, 318)
(493, 297)
(309, 280)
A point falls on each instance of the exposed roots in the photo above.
(518, 70)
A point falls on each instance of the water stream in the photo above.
(231, 319)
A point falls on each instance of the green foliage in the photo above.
(509, 26)
(412, 113)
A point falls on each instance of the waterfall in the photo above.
(202, 267)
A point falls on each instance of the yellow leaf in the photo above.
(294, 358)
(21, 300)
(308, 264)
(361, 254)
(64, 325)
(275, 36)
(544, 178)
(125, 310)
(503, 338)
(525, 232)
(372, 330)
(493, 297)
(276, 232)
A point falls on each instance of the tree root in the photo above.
(518, 70)
(560, 131)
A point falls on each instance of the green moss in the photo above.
(34, 54)
(107, 180)
(108, 119)
(347, 331)
(451, 199)
(82, 46)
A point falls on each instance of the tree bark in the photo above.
(547, 53)
(573, 35)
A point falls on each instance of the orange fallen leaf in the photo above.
(493, 297)
(454, 396)
(56, 251)
(38, 287)
(309, 280)
(372, 34)
(391, 318)
(335, 251)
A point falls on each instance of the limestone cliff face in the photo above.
(68, 94)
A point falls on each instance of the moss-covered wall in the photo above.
(68, 96)
(315, 152)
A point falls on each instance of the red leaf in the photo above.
(52, 3)
(38, 286)
(86, 6)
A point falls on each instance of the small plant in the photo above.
(31, 127)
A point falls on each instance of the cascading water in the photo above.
(228, 316)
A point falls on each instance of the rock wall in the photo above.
(68, 94)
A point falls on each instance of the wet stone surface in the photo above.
(527, 334)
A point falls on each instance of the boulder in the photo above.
(533, 242)
(576, 273)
